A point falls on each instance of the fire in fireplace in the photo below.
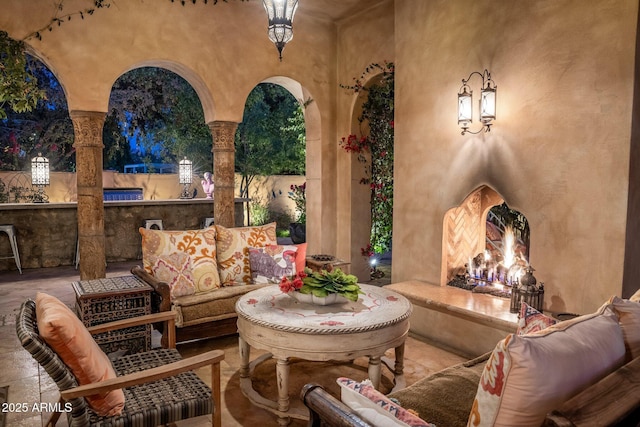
(503, 268)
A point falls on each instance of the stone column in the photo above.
(87, 127)
(223, 171)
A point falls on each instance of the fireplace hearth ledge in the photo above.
(469, 323)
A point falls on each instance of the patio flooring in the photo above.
(30, 384)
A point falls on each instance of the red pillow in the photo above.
(301, 257)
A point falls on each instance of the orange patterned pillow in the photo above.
(527, 376)
(68, 337)
(531, 320)
(376, 408)
(200, 245)
(233, 250)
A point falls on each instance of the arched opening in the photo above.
(155, 120)
(371, 144)
(270, 158)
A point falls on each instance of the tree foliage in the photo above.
(19, 89)
(161, 113)
(43, 128)
(271, 138)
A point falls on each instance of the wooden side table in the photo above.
(327, 262)
(105, 300)
(276, 322)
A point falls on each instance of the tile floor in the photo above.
(30, 384)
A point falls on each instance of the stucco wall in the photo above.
(271, 191)
(559, 149)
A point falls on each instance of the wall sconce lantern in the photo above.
(185, 175)
(40, 177)
(280, 13)
(487, 103)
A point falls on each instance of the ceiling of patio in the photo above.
(335, 10)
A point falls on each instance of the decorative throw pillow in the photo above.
(629, 318)
(199, 245)
(635, 297)
(531, 320)
(175, 270)
(68, 337)
(233, 250)
(530, 375)
(374, 407)
(301, 257)
(272, 262)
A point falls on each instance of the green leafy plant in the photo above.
(19, 89)
(282, 232)
(322, 283)
(377, 117)
(259, 213)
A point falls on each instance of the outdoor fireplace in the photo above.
(487, 250)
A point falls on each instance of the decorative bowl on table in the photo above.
(315, 300)
(321, 287)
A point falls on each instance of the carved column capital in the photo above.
(87, 126)
(224, 134)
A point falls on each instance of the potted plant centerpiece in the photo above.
(322, 287)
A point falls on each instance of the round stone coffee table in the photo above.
(276, 322)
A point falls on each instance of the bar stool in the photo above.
(153, 224)
(10, 230)
(76, 260)
(207, 222)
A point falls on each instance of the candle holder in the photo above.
(527, 291)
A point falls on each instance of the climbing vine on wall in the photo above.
(376, 123)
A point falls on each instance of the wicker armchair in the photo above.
(159, 386)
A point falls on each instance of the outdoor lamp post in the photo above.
(280, 14)
(40, 177)
(185, 175)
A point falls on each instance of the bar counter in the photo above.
(47, 232)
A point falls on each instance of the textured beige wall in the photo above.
(272, 190)
(559, 150)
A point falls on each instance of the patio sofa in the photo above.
(200, 274)
(579, 372)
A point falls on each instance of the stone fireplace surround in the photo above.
(465, 322)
